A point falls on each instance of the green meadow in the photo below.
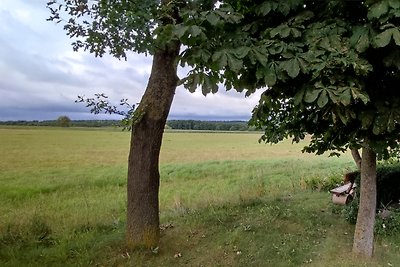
(225, 200)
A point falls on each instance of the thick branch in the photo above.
(356, 157)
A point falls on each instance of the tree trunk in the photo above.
(356, 157)
(364, 233)
(147, 131)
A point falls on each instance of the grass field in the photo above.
(225, 201)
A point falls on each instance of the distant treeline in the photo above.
(171, 124)
(208, 125)
(73, 123)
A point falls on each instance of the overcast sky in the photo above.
(41, 77)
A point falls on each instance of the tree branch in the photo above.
(356, 157)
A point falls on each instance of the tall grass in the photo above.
(225, 201)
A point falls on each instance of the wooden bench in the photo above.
(343, 194)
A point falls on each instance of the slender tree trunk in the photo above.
(364, 233)
(147, 131)
(356, 157)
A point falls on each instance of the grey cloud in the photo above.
(37, 68)
(23, 50)
(124, 82)
(45, 111)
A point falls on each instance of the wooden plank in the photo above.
(342, 189)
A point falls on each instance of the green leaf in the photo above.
(180, 30)
(270, 74)
(364, 98)
(378, 9)
(234, 63)
(360, 95)
(343, 117)
(312, 95)
(264, 8)
(360, 39)
(383, 39)
(228, 14)
(241, 52)
(396, 36)
(195, 30)
(298, 97)
(194, 83)
(276, 48)
(260, 73)
(260, 55)
(275, 31)
(345, 97)
(379, 126)
(270, 78)
(208, 86)
(391, 123)
(283, 31)
(205, 55)
(205, 90)
(325, 43)
(366, 120)
(284, 7)
(304, 16)
(212, 18)
(295, 32)
(291, 67)
(322, 99)
(220, 59)
(394, 4)
(214, 88)
(396, 13)
(333, 96)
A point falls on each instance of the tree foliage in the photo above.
(64, 121)
(331, 68)
(117, 27)
(100, 104)
(108, 26)
(347, 91)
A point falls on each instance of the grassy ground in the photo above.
(225, 201)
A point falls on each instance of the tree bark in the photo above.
(357, 158)
(364, 233)
(147, 131)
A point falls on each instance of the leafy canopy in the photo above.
(331, 69)
(119, 26)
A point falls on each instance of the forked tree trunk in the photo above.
(364, 233)
(356, 158)
(147, 131)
